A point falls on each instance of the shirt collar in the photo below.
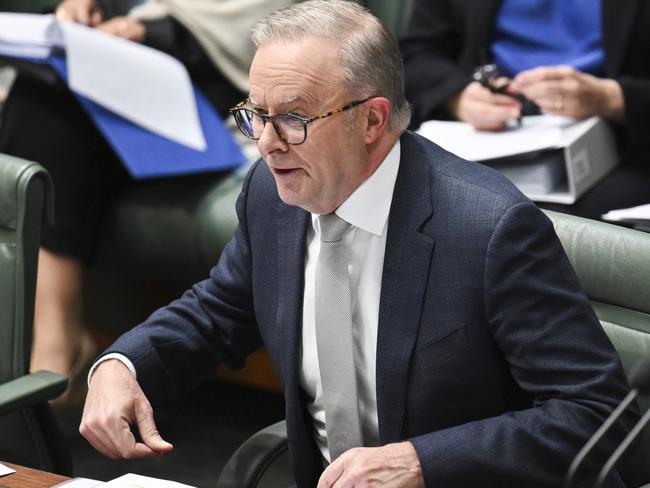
(369, 205)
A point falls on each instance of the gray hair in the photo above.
(371, 61)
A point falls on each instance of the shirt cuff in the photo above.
(114, 355)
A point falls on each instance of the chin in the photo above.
(290, 198)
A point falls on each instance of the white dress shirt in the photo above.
(367, 211)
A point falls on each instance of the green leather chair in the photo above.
(29, 434)
(613, 265)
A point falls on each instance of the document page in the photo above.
(144, 85)
(141, 84)
(137, 481)
(535, 133)
(129, 480)
(79, 483)
(639, 214)
(5, 470)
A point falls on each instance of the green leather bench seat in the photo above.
(173, 230)
(613, 265)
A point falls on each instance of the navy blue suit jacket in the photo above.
(489, 357)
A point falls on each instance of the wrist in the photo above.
(410, 454)
(111, 361)
(453, 107)
(612, 105)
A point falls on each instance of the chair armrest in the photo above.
(250, 461)
(31, 389)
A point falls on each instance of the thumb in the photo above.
(148, 430)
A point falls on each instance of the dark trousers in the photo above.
(43, 122)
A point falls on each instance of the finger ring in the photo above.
(558, 100)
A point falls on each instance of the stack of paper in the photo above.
(535, 133)
(28, 35)
(141, 84)
(530, 155)
(140, 98)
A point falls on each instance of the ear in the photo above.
(378, 117)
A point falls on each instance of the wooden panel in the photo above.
(29, 478)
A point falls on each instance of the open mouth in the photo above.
(285, 171)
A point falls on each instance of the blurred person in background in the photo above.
(576, 58)
(42, 121)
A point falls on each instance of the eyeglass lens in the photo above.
(289, 127)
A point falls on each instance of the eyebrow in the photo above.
(289, 99)
(283, 101)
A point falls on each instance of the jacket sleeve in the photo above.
(180, 345)
(636, 93)
(430, 48)
(556, 351)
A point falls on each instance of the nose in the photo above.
(270, 142)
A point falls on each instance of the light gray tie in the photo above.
(334, 339)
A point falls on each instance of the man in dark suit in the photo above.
(477, 356)
(575, 59)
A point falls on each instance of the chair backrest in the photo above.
(27, 436)
(613, 265)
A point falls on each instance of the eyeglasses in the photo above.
(291, 128)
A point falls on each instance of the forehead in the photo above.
(304, 71)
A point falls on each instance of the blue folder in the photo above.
(149, 155)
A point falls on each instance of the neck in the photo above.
(379, 149)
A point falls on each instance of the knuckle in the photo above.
(572, 85)
(484, 113)
(91, 425)
(124, 453)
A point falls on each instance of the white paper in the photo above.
(635, 214)
(5, 470)
(28, 35)
(141, 84)
(536, 133)
(137, 481)
(79, 483)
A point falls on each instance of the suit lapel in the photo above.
(290, 242)
(404, 283)
(617, 19)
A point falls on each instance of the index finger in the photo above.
(113, 439)
(125, 444)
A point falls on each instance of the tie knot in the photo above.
(332, 227)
